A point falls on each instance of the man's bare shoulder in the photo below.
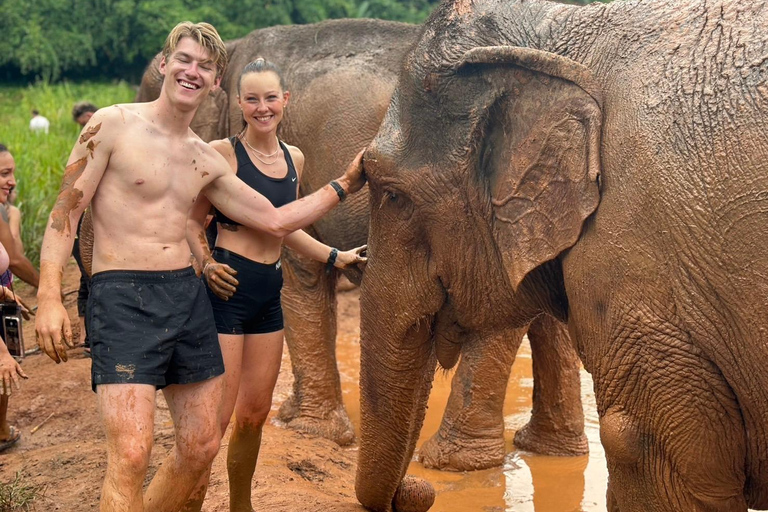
(213, 155)
(109, 121)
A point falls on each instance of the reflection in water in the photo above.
(526, 482)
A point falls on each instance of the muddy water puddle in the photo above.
(526, 482)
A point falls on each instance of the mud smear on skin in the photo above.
(242, 456)
(92, 147)
(89, 133)
(69, 196)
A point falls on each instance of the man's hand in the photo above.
(220, 278)
(354, 177)
(10, 371)
(53, 330)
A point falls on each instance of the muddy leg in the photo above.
(195, 412)
(556, 426)
(232, 353)
(309, 307)
(471, 435)
(127, 412)
(262, 354)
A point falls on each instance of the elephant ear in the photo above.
(541, 152)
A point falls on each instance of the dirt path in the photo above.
(66, 454)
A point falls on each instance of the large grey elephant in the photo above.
(341, 75)
(607, 165)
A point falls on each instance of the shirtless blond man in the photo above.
(141, 168)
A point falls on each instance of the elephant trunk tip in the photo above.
(413, 495)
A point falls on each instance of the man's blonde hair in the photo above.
(203, 34)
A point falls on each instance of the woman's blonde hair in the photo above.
(203, 34)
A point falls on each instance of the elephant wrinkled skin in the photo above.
(607, 165)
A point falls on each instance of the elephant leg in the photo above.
(556, 426)
(471, 435)
(672, 429)
(309, 308)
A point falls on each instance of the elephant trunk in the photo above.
(395, 381)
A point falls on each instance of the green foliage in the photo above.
(51, 39)
(40, 158)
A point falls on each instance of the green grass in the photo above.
(40, 159)
(18, 496)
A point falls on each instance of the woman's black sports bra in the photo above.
(279, 191)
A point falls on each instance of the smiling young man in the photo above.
(141, 168)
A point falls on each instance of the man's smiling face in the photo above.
(190, 73)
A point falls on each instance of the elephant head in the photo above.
(483, 173)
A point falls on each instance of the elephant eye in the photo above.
(396, 200)
(393, 198)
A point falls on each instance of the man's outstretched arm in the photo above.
(82, 175)
(241, 203)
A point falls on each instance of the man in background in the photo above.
(38, 123)
(82, 112)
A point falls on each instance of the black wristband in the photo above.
(331, 259)
(339, 190)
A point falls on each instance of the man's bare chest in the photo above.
(156, 172)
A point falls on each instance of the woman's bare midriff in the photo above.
(254, 245)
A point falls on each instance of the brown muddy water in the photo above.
(526, 482)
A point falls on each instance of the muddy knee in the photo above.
(198, 451)
(132, 458)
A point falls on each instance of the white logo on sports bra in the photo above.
(278, 264)
(293, 179)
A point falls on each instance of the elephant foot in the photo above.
(334, 425)
(551, 442)
(455, 452)
(289, 410)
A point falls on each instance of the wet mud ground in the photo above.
(296, 472)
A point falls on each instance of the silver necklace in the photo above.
(271, 155)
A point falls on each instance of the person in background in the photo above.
(82, 112)
(11, 256)
(38, 123)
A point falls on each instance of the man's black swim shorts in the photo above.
(149, 327)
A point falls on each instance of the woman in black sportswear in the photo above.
(247, 307)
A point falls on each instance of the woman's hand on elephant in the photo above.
(356, 256)
(220, 278)
(354, 176)
(10, 371)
